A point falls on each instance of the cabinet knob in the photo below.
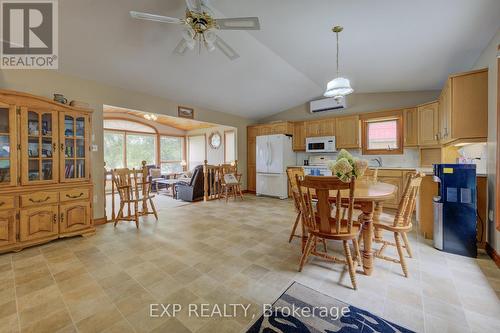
(54, 218)
(62, 218)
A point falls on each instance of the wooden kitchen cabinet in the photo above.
(445, 113)
(7, 227)
(74, 216)
(299, 136)
(428, 124)
(347, 132)
(39, 222)
(251, 178)
(410, 120)
(463, 107)
(321, 127)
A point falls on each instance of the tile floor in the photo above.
(226, 253)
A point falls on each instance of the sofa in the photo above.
(194, 190)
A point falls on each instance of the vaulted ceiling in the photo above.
(387, 45)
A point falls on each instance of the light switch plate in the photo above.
(95, 148)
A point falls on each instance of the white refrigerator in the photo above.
(274, 154)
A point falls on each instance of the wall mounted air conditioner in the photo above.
(327, 104)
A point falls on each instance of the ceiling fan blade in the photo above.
(181, 48)
(226, 49)
(239, 23)
(156, 18)
(194, 5)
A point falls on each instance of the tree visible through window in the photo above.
(140, 147)
(114, 144)
(171, 154)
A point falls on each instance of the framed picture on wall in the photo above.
(185, 112)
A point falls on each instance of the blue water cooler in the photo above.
(455, 209)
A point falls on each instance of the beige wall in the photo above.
(47, 82)
(488, 59)
(357, 103)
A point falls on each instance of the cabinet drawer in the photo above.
(39, 198)
(75, 194)
(7, 202)
(389, 173)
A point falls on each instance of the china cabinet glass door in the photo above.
(8, 146)
(39, 146)
(74, 146)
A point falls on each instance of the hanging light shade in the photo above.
(340, 86)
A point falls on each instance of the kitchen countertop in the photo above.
(427, 170)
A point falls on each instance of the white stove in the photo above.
(318, 166)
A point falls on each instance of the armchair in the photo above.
(193, 190)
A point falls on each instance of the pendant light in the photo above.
(340, 86)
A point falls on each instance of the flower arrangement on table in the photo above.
(346, 166)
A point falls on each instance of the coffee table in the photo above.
(171, 183)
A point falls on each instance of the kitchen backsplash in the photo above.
(409, 159)
(478, 154)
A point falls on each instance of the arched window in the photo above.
(127, 143)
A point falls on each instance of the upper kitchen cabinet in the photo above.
(463, 107)
(410, 120)
(321, 127)
(299, 136)
(347, 132)
(428, 124)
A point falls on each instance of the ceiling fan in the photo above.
(200, 27)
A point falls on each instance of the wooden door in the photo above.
(279, 128)
(428, 119)
(445, 113)
(39, 153)
(251, 178)
(251, 149)
(38, 222)
(74, 216)
(265, 130)
(410, 119)
(7, 227)
(312, 128)
(347, 132)
(8, 145)
(299, 136)
(75, 146)
(327, 127)
(469, 100)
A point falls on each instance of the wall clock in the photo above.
(215, 140)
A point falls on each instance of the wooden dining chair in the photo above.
(293, 173)
(133, 188)
(370, 175)
(230, 181)
(402, 223)
(323, 220)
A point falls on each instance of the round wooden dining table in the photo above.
(369, 198)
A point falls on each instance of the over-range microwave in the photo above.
(323, 144)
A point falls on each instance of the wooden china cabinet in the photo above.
(45, 180)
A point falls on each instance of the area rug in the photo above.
(301, 309)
